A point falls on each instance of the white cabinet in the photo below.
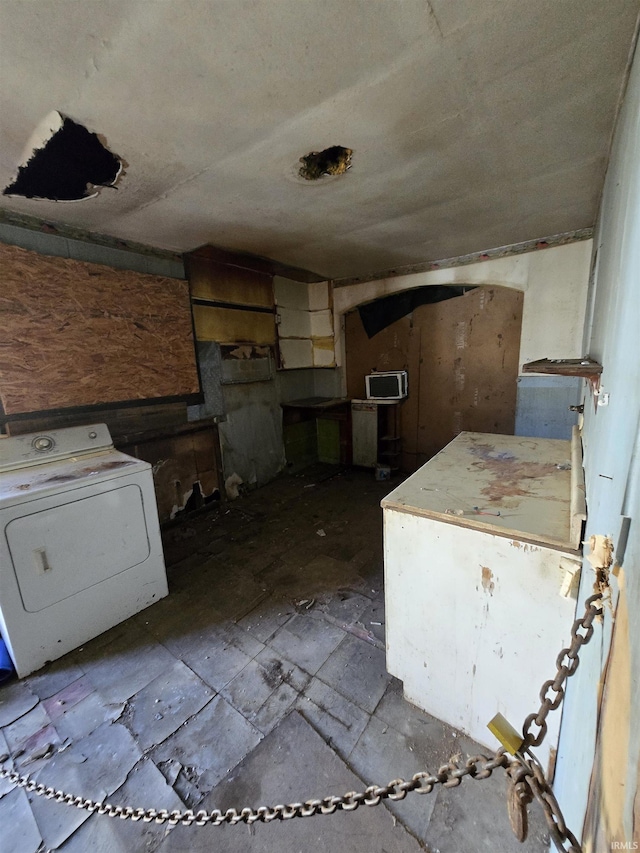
(364, 430)
(475, 617)
(375, 430)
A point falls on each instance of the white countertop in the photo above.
(524, 486)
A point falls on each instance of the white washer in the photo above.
(80, 547)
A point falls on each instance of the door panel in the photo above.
(60, 551)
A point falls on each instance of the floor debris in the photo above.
(257, 680)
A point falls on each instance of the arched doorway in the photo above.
(462, 358)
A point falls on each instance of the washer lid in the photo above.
(38, 481)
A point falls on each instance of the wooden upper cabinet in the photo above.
(231, 304)
(222, 283)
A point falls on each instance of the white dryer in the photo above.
(80, 547)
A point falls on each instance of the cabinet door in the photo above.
(364, 425)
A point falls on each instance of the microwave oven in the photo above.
(389, 385)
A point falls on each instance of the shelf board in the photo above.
(585, 367)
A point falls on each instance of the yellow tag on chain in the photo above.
(506, 734)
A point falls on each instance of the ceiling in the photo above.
(473, 123)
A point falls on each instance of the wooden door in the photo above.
(462, 360)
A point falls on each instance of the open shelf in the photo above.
(585, 367)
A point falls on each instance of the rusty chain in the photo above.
(449, 775)
(533, 774)
(593, 608)
(526, 776)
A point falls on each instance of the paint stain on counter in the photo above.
(487, 580)
(510, 475)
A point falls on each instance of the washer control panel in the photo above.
(43, 443)
(21, 451)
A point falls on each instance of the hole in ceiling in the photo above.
(64, 162)
(332, 161)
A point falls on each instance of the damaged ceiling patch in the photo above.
(64, 161)
(332, 161)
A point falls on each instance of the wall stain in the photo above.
(487, 580)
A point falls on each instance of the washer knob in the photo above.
(93, 434)
(42, 443)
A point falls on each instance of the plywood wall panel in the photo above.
(469, 366)
(462, 359)
(179, 462)
(82, 334)
(410, 407)
(388, 350)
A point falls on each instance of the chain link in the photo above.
(566, 665)
(525, 771)
(449, 776)
(561, 835)
(519, 795)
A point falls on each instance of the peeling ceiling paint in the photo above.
(472, 124)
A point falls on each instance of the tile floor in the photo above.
(275, 615)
